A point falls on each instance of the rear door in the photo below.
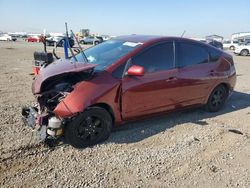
(153, 92)
(194, 72)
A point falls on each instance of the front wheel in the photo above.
(217, 99)
(89, 128)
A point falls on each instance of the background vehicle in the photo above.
(33, 39)
(105, 37)
(58, 40)
(91, 40)
(100, 38)
(125, 79)
(230, 44)
(55, 38)
(240, 36)
(6, 37)
(243, 49)
(215, 43)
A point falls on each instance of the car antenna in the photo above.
(82, 52)
(67, 39)
(183, 33)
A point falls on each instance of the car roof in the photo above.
(156, 38)
(141, 38)
(150, 38)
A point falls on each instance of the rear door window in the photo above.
(157, 58)
(191, 54)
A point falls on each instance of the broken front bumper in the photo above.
(47, 126)
(29, 115)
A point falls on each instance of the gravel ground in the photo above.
(184, 149)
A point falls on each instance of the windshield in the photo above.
(106, 53)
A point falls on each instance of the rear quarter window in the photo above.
(214, 55)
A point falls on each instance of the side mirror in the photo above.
(135, 70)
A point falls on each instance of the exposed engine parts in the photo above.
(49, 93)
(54, 128)
(52, 97)
(29, 116)
(41, 118)
(45, 124)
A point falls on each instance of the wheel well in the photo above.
(106, 107)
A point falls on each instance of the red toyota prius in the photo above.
(123, 79)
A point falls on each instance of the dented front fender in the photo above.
(101, 89)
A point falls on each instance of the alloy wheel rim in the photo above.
(90, 128)
(217, 98)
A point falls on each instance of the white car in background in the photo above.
(105, 37)
(6, 37)
(230, 44)
(243, 49)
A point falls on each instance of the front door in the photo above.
(155, 91)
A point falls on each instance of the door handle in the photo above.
(173, 78)
(212, 73)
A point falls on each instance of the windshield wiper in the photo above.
(85, 59)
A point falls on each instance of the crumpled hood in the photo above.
(59, 67)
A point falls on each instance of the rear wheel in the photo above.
(217, 99)
(244, 52)
(96, 42)
(88, 128)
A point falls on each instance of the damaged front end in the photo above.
(50, 87)
(47, 126)
(41, 116)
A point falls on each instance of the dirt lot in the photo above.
(185, 149)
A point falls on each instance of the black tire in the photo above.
(82, 42)
(217, 99)
(89, 128)
(96, 42)
(232, 48)
(244, 52)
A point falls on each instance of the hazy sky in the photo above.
(163, 17)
